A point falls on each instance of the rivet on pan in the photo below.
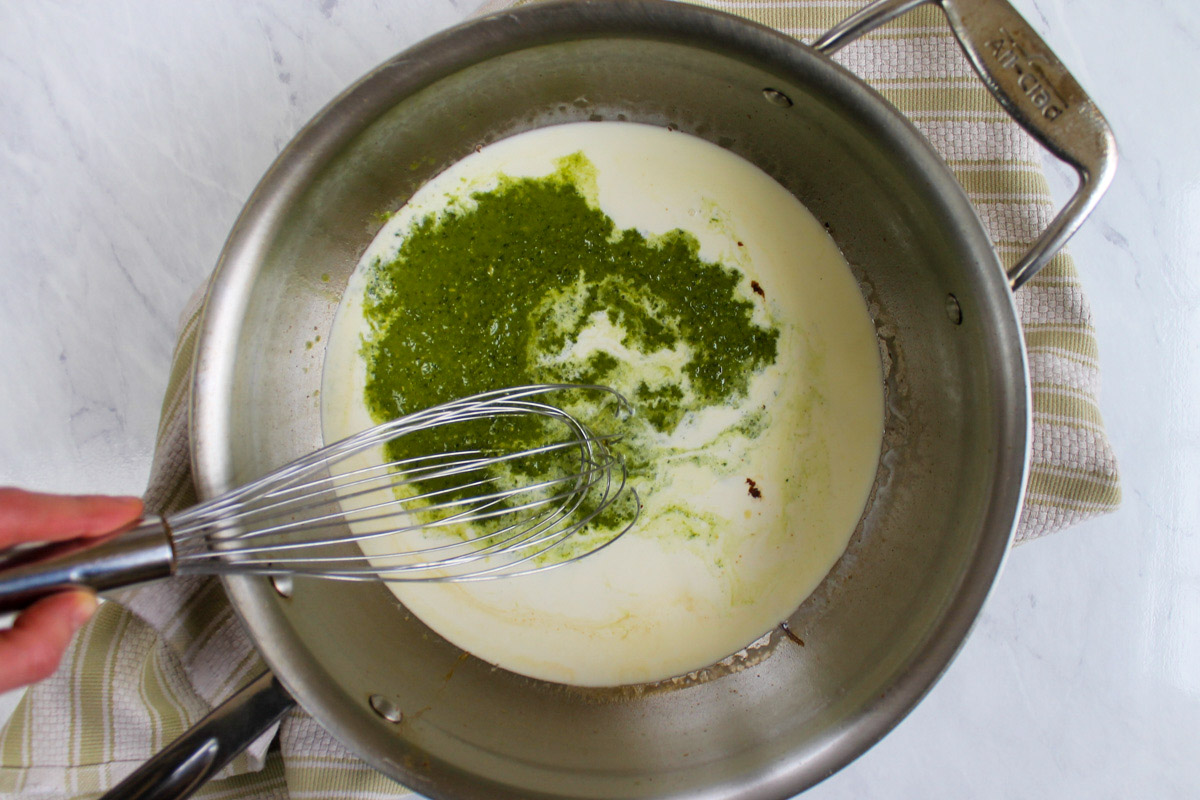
(282, 584)
(777, 98)
(953, 309)
(386, 708)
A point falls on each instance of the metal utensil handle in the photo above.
(1033, 87)
(142, 552)
(204, 750)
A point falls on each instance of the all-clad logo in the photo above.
(1031, 77)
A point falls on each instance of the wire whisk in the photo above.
(342, 513)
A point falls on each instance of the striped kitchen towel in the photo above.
(158, 658)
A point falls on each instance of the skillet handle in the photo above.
(1033, 87)
(201, 752)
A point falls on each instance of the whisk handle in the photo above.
(142, 552)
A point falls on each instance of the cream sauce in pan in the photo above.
(749, 502)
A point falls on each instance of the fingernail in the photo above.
(85, 606)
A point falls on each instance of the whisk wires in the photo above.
(473, 513)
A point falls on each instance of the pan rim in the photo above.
(488, 37)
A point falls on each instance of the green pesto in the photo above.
(495, 291)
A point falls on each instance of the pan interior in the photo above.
(893, 611)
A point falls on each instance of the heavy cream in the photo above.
(740, 523)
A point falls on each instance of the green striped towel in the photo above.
(156, 660)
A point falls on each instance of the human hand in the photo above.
(32, 648)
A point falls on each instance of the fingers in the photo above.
(33, 517)
(32, 648)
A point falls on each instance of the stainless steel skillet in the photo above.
(894, 610)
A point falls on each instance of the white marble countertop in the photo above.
(131, 133)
